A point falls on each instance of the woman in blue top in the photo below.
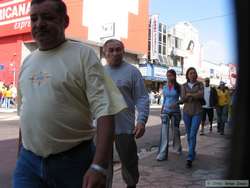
(170, 115)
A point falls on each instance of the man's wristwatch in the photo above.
(98, 168)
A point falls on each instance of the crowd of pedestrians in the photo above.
(8, 95)
(63, 87)
(199, 102)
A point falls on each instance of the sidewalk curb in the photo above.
(3, 110)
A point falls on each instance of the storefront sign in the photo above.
(146, 70)
(160, 73)
(154, 37)
(108, 30)
(14, 17)
(178, 70)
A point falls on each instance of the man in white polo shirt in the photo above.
(210, 96)
(62, 88)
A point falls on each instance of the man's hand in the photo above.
(94, 180)
(139, 130)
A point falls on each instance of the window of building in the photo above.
(160, 37)
(164, 39)
(159, 49)
(164, 50)
(164, 29)
(177, 42)
(160, 27)
(175, 63)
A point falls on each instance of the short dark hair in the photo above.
(112, 40)
(60, 6)
(190, 69)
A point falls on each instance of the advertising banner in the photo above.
(154, 36)
(14, 17)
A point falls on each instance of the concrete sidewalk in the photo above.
(211, 163)
(8, 110)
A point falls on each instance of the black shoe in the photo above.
(222, 133)
(211, 129)
(189, 164)
(131, 186)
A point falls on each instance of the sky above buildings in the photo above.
(214, 20)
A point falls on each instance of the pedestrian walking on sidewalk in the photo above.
(192, 97)
(222, 106)
(7, 97)
(170, 116)
(62, 87)
(210, 97)
(130, 82)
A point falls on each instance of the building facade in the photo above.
(219, 72)
(126, 20)
(170, 47)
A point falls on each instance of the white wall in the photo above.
(187, 32)
(96, 13)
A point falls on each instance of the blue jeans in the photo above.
(192, 124)
(6, 102)
(222, 116)
(169, 120)
(63, 170)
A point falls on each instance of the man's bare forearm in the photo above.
(104, 140)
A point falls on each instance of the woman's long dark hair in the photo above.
(177, 86)
(189, 69)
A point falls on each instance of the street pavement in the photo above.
(8, 146)
(210, 163)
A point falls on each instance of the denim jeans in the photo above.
(169, 120)
(192, 123)
(63, 170)
(126, 148)
(222, 117)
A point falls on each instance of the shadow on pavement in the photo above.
(8, 153)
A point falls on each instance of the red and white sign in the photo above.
(14, 17)
(154, 36)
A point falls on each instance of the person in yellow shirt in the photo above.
(222, 106)
(3, 92)
(7, 97)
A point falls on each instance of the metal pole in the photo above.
(14, 74)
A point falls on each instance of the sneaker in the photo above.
(158, 158)
(189, 164)
(202, 133)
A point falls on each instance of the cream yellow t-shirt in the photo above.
(60, 92)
